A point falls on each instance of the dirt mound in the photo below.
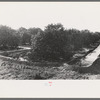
(95, 67)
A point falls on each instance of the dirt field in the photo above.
(10, 70)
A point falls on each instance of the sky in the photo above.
(78, 15)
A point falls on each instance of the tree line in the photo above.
(54, 43)
(11, 38)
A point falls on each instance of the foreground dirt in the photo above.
(16, 70)
(10, 70)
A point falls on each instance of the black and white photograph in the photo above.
(49, 40)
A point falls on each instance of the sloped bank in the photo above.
(95, 67)
(89, 63)
(92, 62)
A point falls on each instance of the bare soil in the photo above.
(12, 69)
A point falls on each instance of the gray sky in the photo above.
(79, 15)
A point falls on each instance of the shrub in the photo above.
(51, 45)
